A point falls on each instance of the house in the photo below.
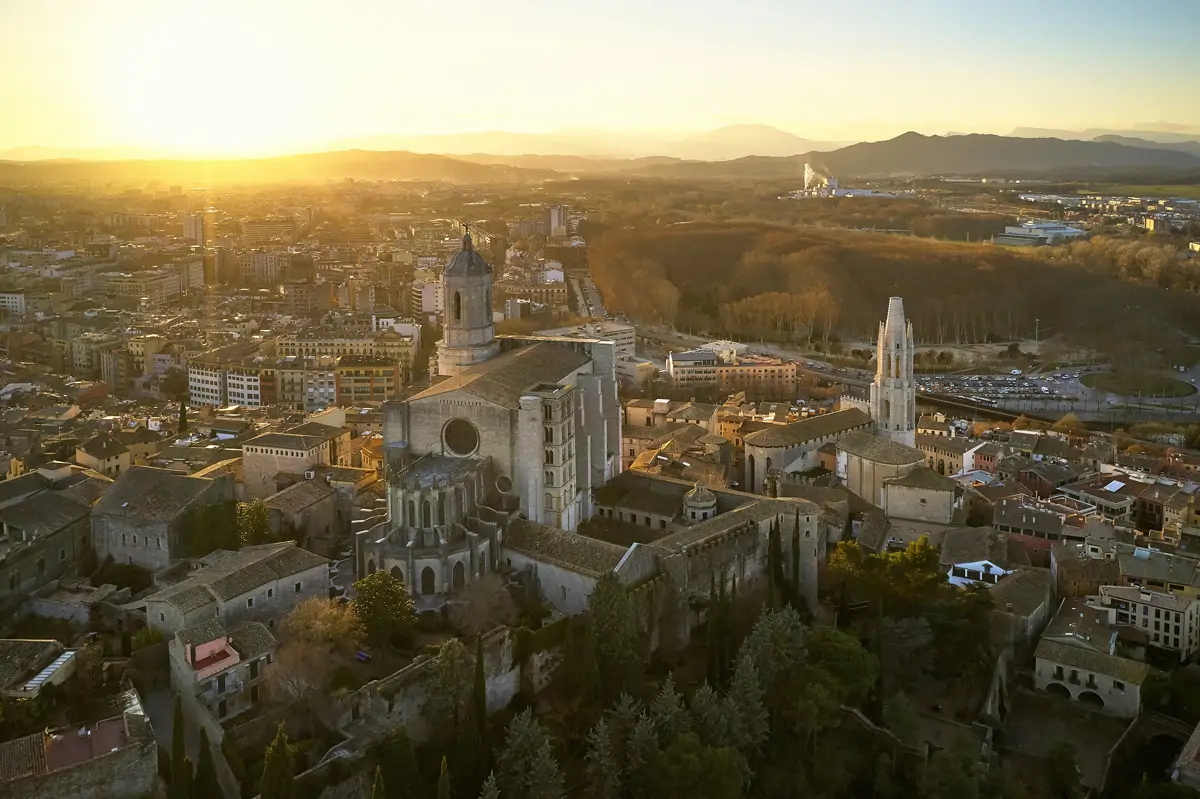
(116, 758)
(44, 528)
(922, 494)
(1078, 574)
(979, 556)
(1044, 478)
(104, 454)
(987, 455)
(142, 518)
(1098, 679)
(1021, 605)
(935, 425)
(1113, 495)
(27, 666)
(294, 453)
(142, 443)
(306, 512)
(218, 672)
(258, 583)
(947, 454)
(793, 447)
(1035, 525)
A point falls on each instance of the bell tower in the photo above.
(894, 392)
(469, 335)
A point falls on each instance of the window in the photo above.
(270, 593)
(249, 602)
(162, 616)
(62, 555)
(297, 587)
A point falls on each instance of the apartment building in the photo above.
(243, 386)
(623, 335)
(262, 267)
(364, 379)
(271, 228)
(759, 375)
(389, 344)
(151, 287)
(1168, 621)
(217, 672)
(206, 384)
(693, 368)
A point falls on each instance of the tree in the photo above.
(884, 787)
(906, 652)
(384, 606)
(668, 713)
(181, 780)
(443, 786)
(545, 780)
(279, 769)
(776, 647)
(900, 717)
(1061, 772)
(490, 790)
(774, 565)
(325, 625)
(602, 772)
(378, 791)
(523, 743)
(951, 773)
(178, 741)
(751, 723)
(795, 591)
(401, 774)
(614, 635)
(183, 422)
(1069, 425)
(205, 783)
(482, 606)
(713, 717)
(624, 716)
(254, 523)
(843, 664)
(450, 687)
(687, 769)
(640, 752)
(175, 384)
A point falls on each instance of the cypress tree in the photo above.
(722, 614)
(796, 559)
(602, 771)
(178, 747)
(377, 789)
(181, 780)
(205, 783)
(443, 786)
(479, 702)
(774, 565)
(183, 423)
(713, 658)
(279, 769)
(490, 790)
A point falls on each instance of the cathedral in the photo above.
(521, 426)
(893, 403)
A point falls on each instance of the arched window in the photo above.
(371, 566)
(457, 307)
(460, 575)
(428, 581)
(426, 511)
(396, 572)
(411, 518)
(751, 477)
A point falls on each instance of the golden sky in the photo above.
(268, 76)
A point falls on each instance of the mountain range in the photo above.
(911, 154)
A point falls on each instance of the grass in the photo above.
(1134, 190)
(1132, 384)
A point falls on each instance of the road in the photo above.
(1050, 393)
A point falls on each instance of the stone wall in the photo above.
(131, 771)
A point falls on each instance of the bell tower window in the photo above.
(457, 307)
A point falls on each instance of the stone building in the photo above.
(219, 673)
(104, 454)
(865, 462)
(273, 459)
(116, 758)
(258, 583)
(307, 512)
(793, 447)
(922, 494)
(141, 519)
(894, 389)
(44, 527)
(469, 335)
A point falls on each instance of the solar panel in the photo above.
(1115, 485)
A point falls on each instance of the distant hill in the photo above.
(1190, 147)
(358, 164)
(915, 154)
(1092, 134)
(570, 163)
(731, 141)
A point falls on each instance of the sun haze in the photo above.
(261, 76)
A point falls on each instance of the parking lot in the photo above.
(996, 390)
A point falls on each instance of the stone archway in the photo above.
(428, 581)
(459, 576)
(371, 566)
(1092, 699)
(1058, 689)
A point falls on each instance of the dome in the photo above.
(467, 261)
(700, 497)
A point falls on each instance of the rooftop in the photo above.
(571, 551)
(879, 449)
(810, 429)
(504, 379)
(923, 478)
(978, 544)
(1129, 671)
(151, 494)
(299, 496)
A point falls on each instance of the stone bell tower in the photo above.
(469, 336)
(894, 392)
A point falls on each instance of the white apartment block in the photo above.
(243, 386)
(206, 385)
(1168, 620)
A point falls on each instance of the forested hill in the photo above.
(758, 281)
(915, 154)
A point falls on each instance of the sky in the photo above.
(275, 76)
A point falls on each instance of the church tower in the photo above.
(893, 392)
(469, 336)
